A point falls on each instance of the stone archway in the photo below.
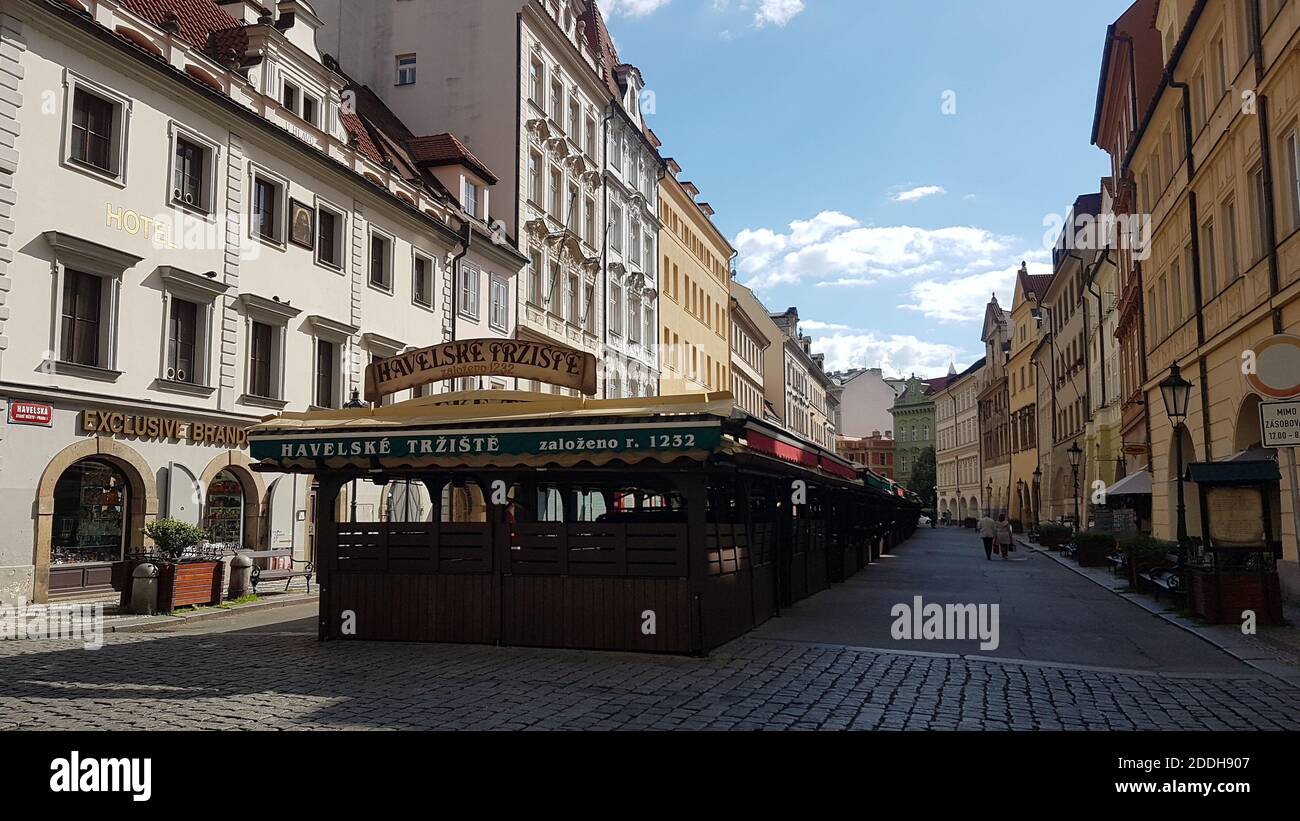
(254, 488)
(142, 504)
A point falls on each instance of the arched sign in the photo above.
(1276, 371)
(540, 361)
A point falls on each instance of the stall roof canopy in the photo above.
(1135, 484)
(1242, 468)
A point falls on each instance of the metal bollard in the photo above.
(144, 589)
(241, 576)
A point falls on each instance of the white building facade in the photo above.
(201, 230)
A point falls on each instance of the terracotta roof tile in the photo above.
(445, 149)
(197, 18)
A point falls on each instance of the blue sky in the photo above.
(818, 131)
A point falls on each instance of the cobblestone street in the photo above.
(267, 671)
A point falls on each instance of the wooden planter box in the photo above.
(1221, 598)
(179, 585)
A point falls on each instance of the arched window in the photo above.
(91, 501)
(223, 511)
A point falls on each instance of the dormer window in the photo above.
(290, 97)
(469, 198)
(310, 109)
(406, 69)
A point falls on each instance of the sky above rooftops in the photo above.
(885, 166)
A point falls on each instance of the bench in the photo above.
(1118, 563)
(296, 568)
(1164, 577)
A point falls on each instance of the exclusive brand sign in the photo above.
(542, 361)
(30, 413)
(132, 426)
(531, 442)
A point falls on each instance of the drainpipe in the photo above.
(1087, 387)
(1101, 336)
(1265, 160)
(604, 245)
(467, 238)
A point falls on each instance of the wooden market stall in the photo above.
(668, 524)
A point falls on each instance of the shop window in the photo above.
(90, 514)
(223, 516)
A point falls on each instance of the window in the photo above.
(80, 327)
(553, 194)
(290, 98)
(381, 261)
(1261, 212)
(615, 308)
(588, 307)
(535, 178)
(94, 122)
(649, 331)
(499, 303)
(267, 209)
(572, 292)
(589, 229)
(1209, 259)
(469, 198)
(616, 151)
(406, 69)
(633, 318)
(574, 214)
(422, 281)
(191, 165)
(182, 341)
(616, 228)
(329, 244)
(634, 244)
(536, 79)
(557, 101)
(535, 278)
(552, 283)
(591, 137)
(325, 374)
(310, 107)
(1232, 256)
(261, 360)
(575, 120)
(469, 289)
(1293, 178)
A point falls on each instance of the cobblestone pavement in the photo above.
(278, 676)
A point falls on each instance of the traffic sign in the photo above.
(1279, 424)
(1276, 371)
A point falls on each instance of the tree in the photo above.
(923, 477)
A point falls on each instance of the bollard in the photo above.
(241, 576)
(144, 589)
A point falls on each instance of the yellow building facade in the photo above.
(1224, 267)
(694, 292)
(1022, 386)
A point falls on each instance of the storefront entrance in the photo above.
(223, 516)
(91, 512)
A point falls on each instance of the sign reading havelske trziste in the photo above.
(523, 359)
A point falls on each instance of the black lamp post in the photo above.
(988, 504)
(354, 402)
(1038, 495)
(1177, 393)
(1020, 499)
(1076, 455)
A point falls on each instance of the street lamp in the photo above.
(988, 498)
(1020, 499)
(354, 402)
(1076, 455)
(1038, 494)
(1177, 393)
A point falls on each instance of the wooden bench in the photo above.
(296, 568)
(1118, 563)
(1164, 577)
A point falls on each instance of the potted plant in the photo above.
(1052, 536)
(1093, 549)
(1142, 554)
(189, 572)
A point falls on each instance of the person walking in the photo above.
(1002, 535)
(988, 531)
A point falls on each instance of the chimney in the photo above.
(246, 11)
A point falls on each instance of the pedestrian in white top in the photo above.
(988, 530)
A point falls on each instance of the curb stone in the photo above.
(147, 624)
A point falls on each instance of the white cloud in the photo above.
(631, 8)
(777, 12)
(895, 354)
(835, 249)
(811, 326)
(963, 299)
(918, 193)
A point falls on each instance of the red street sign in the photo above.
(30, 413)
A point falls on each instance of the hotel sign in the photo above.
(541, 361)
(159, 428)
(453, 444)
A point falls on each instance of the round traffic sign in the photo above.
(1277, 367)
